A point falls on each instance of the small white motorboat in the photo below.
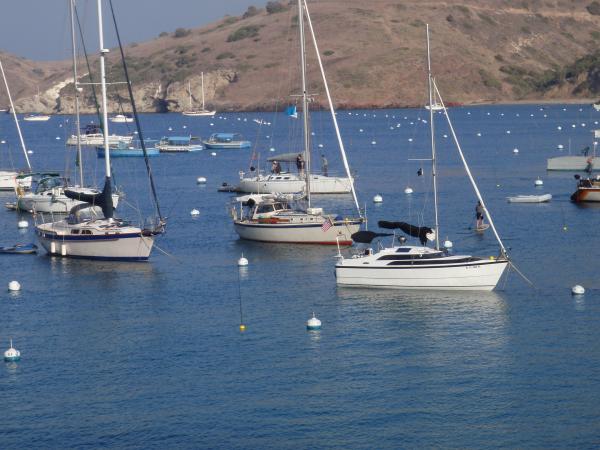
(530, 198)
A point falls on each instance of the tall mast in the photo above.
(76, 87)
(14, 113)
(202, 77)
(433, 161)
(103, 52)
(332, 110)
(304, 101)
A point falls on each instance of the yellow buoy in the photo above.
(242, 327)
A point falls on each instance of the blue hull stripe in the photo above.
(101, 237)
(102, 258)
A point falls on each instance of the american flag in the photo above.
(327, 224)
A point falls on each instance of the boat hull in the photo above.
(127, 153)
(122, 247)
(224, 145)
(98, 140)
(576, 163)
(318, 185)
(479, 276)
(179, 148)
(591, 194)
(340, 232)
(52, 203)
(199, 113)
(9, 182)
(530, 198)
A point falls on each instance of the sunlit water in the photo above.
(150, 355)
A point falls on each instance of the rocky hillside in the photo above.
(373, 52)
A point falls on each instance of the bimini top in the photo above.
(177, 140)
(226, 137)
(285, 157)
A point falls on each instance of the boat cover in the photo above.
(412, 230)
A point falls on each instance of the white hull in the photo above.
(36, 118)
(55, 202)
(179, 148)
(572, 162)
(199, 113)
(530, 198)
(289, 184)
(98, 140)
(297, 233)
(481, 276)
(121, 119)
(123, 246)
(8, 181)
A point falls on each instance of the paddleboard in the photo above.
(482, 228)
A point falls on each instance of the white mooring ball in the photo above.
(577, 290)
(515, 151)
(12, 354)
(22, 224)
(313, 323)
(560, 146)
(14, 286)
(213, 153)
(539, 182)
(201, 180)
(194, 212)
(378, 198)
(242, 262)
(448, 244)
(408, 190)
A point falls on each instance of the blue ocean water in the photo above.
(149, 355)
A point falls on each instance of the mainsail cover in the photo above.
(366, 237)
(412, 230)
(102, 199)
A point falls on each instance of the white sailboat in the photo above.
(194, 112)
(422, 267)
(48, 194)
(269, 218)
(11, 179)
(91, 231)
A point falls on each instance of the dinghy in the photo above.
(530, 198)
(19, 249)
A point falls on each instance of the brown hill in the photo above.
(374, 56)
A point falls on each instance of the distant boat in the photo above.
(10, 181)
(197, 112)
(226, 140)
(435, 107)
(36, 118)
(19, 249)
(177, 144)
(125, 150)
(92, 136)
(120, 118)
(596, 105)
(588, 190)
(573, 163)
(530, 198)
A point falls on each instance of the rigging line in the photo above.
(466, 166)
(89, 67)
(135, 113)
(511, 264)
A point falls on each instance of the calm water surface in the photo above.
(150, 355)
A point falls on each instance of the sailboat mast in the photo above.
(76, 88)
(332, 110)
(202, 78)
(103, 52)
(304, 101)
(14, 113)
(433, 160)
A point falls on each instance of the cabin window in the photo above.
(286, 178)
(86, 232)
(74, 231)
(264, 209)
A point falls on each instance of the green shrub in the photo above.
(328, 52)
(248, 31)
(593, 8)
(251, 11)
(182, 32)
(275, 7)
(206, 49)
(488, 80)
(163, 34)
(225, 55)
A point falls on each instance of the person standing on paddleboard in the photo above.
(479, 215)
